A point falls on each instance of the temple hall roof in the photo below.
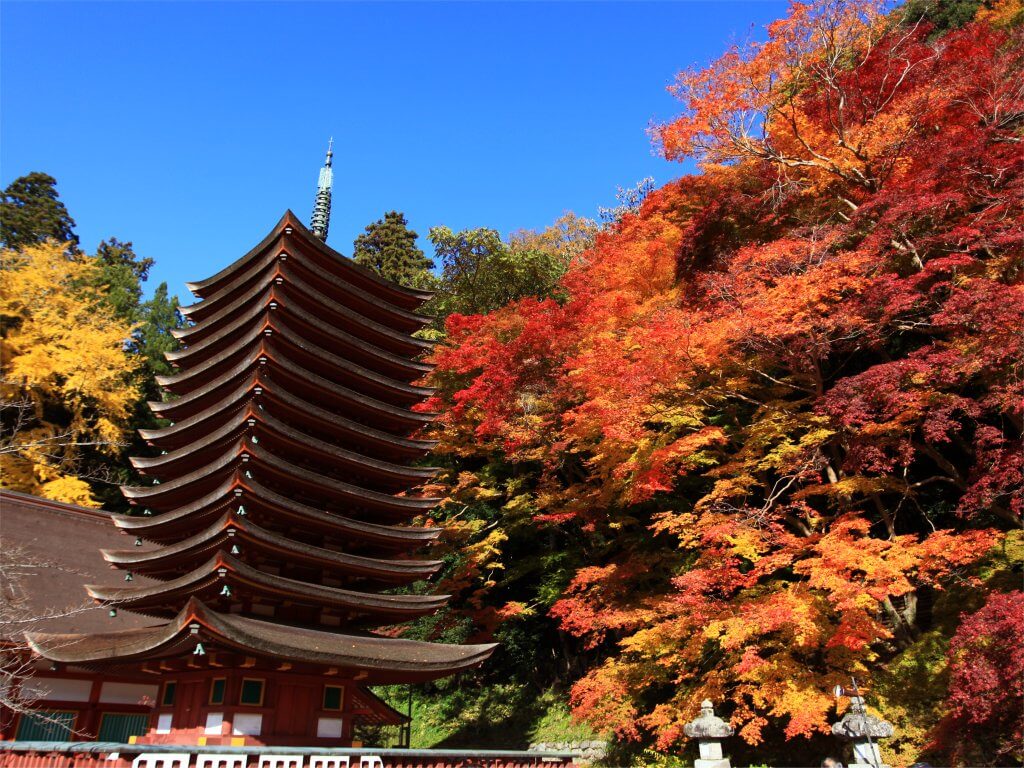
(383, 659)
(60, 545)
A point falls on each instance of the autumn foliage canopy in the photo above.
(777, 414)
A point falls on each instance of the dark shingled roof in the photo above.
(283, 368)
(385, 659)
(384, 293)
(258, 497)
(246, 533)
(279, 336)
(273, 430)
(253, 459)
(153, 598)
(64, 542)
(251, 320)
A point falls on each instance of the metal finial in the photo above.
(321, 220)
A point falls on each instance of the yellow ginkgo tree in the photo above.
(66, 377)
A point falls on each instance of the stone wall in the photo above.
(583, 751)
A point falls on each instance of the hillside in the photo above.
(767, 436)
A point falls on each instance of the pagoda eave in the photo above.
(169, 525)
(272, 360)
(242, 462)
(250, 423)
(224, 571)
(289, 228)
(371, 441)
(374, 659)
(358, 384)
(268, 314)
(301, 292)
(233, 530)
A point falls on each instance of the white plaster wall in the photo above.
(57, 689)
(127, 693)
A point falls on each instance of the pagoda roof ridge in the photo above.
(400, 470)
(326, 416)
(235, 423)
(359, 370)
(165, 408)
(270, 267)
(259, 275)
(252, 349)
(218, 499)
(232, 402)
(303, 287)
(247, 350)
(240, 422)
(225, 461)
(215, 500)
(288, 368)
(233, 458)
(291, 368)
(407, 504)
(249, 323)
(254, 307)
(294, 310)
(385, 659)
(337, 283)
(290, 282)
(138, 598)
(215, 320)
(354, 457)
(385, 289)
(245, 530)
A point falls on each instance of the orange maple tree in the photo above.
(778, 412)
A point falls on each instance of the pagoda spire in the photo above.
(321, 220)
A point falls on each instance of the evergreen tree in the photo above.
(388, 247)
(158, 317)
(944, 15)
(30, 213)
(123, 272)
(151, 337)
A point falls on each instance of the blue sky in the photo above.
(188, 128)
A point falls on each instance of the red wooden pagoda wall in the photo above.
(291, 709)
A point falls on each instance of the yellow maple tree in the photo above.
(66, 378)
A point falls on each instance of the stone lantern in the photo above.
(709, 731)
(863, 732)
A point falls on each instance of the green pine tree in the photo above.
(123, 272)
(388, 247)
(158, 318)
(30, 213)
(154, 320)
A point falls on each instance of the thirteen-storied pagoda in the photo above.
(270, 543)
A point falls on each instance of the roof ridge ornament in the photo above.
(321, 220)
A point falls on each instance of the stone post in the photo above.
(709, 731)
(863, 731)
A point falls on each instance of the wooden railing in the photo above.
(37, 754)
